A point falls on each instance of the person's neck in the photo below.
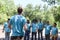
(19, 14)
(48, 24)
(54, 27)
(40, 21)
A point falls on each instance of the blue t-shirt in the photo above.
(17, 22)
(47, 29)
(34, 27)
(40, 26)
(28, 26)
(6, 28)
(54, 30)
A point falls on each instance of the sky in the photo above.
(23, 3)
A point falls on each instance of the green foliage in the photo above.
(52, 14)
(3, 18)
(7, 8)
(56, 13)
(58, 0)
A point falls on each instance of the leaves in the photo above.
(51, 14)
(7, 8)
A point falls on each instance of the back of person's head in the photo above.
(47, 22)
(34, 21)
(55, 24)
(8, 20)
(28, 21)
(19, 10)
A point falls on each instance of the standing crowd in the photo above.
(21, 28)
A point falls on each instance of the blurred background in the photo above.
(40, 9)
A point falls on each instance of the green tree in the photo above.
(7, 9)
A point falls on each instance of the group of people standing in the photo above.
(21, 28)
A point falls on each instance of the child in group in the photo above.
(47, 30)
(7, 30)
(40, 29)
(34, 28)
(54, 32)
(27, 32)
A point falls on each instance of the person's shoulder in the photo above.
(45, 25)
(41, 22)
(50, 25)
(32, 23)
(5, 23)
(29, 24)
(38, 23)
(23, 17)
(12, 17)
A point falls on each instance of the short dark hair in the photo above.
(19, 10)
(47, 21)
(28, 21)
(8, 19)
(55, 23)
(34, 21)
